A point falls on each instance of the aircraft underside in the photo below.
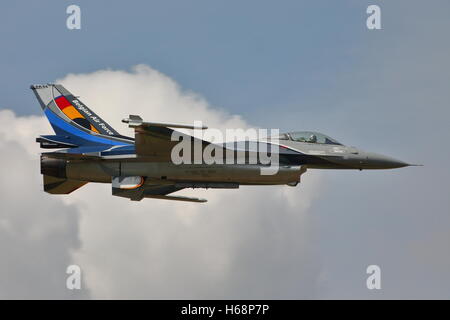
(137, 180)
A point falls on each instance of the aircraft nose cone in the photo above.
(379, 161)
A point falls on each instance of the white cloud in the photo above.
(147, 92)
(249, 243)
(37, 232)
(22, 130)
(159, 249)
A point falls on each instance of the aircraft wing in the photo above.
(154, 140)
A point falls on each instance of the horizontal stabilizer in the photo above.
(61, 186)
(55, 142)
(70, 156)
(93, 152)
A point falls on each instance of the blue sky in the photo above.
(293, 65)
(247, 57)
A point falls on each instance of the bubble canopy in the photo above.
(309, 137)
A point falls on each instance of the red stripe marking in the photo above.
(62, 102)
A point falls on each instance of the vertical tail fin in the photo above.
(64, 104)
(69, 117)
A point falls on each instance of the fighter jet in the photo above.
(90, 150)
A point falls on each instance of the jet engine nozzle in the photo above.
(53, 167)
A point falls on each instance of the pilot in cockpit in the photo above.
(312, 138)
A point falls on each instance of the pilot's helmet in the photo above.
(312, 138)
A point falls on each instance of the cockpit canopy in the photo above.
(309, 137)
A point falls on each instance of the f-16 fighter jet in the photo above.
(90, 150)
